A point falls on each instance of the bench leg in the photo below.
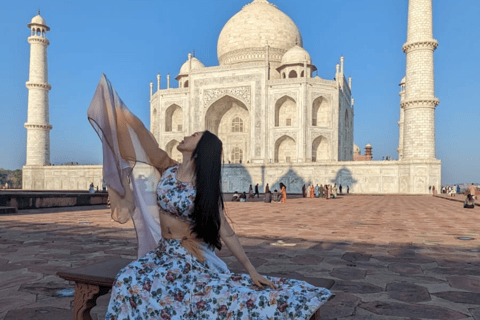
(86, 298)
(315, 316)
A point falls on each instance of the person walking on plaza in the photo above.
(317, 191)
(304, 191)
(250, 192)
(312, 191)
(434, 190)
(329, 192)
(308, 190)
(256, 191)
(267, 188)
(473, 191)
(325, 191)
(429, 189)
(340, 189)
(348, 189)
(283, 190)
(334, 191)
(458, 189)
(321, 191)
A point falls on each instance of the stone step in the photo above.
(4, 210)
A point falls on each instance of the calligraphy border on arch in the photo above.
(243, 93)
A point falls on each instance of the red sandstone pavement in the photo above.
(392, 257)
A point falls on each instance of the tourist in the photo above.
(469, 202)
(329, 191)
(308, 190)
(268, 197)
(458, 189)
(243, 197)
(267, 188)
(334, 191)
(236, 196)
(180, 276)
(429, 189)
(283, 191)
(434, 190)
(92, 188)
(104, 186)
(321, 190)
(340, 189)
(250, 192)
(304, 191)
(312, 191)
(256, 191)
(473, 191)
(276, 196)
(348, 189)
(317, 191)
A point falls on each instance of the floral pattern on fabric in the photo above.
(174, 196)
(170, 283)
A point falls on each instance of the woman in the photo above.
(312, 191)
(182, 278)
(250, 192)
(283, 191)
(321, 191)
(317, 191)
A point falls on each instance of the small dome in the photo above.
(402, 82)
(296, 55)
(196, 64)
(368, 145)
(246, 35)
(38, 21)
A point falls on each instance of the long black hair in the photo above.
(206, 214)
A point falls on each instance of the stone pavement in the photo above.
(392, 257)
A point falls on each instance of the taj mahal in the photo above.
(278, 121)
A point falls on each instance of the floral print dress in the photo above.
(170, 283)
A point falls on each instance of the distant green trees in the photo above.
(12, 177)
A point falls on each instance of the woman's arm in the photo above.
(233, 243)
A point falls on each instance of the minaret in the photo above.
(420, 102)
(401, 122)
(38, 127)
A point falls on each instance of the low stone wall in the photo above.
(362, 177)
(48, 199)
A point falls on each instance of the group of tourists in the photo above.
(269, 197)
(326, 191)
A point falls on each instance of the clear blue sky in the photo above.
(130, 41)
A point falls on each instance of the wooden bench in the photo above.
(96, 280)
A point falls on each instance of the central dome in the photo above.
(245, 36)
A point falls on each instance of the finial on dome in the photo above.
(260, 1)
(38, 11)
(296, 41)
(193, 53)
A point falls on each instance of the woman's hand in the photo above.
(260, 280)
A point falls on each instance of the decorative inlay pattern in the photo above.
(425, 103)
(429, 44)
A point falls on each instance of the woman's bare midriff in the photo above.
(172, 227)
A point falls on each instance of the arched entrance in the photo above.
(285, 112)
(174, 119)
(229, 119)
(285, 150)
(172, 151)
(320, 149)
(321, 112)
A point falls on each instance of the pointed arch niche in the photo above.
(320, 149)
(285, 150)
(321, 112)
(229, 119)
(285, 112)
(172, 151)
(174, 119)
